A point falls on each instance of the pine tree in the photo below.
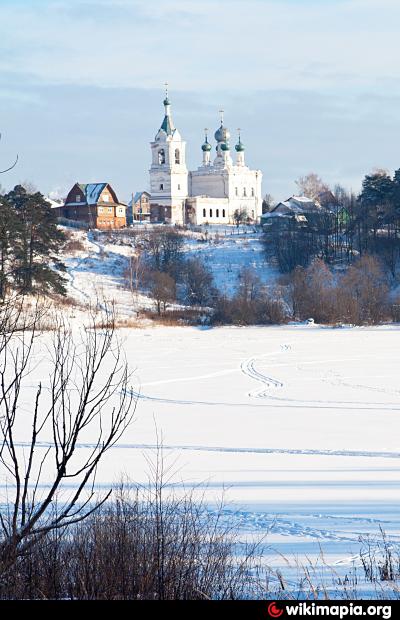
(374, 204)
(37, 243)
(8, 226)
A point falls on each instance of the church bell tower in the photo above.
(168, 172)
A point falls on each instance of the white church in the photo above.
(212, 193)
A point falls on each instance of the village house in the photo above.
(96, 205)
(294, 213)
(138, 208)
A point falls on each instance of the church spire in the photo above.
(167, 124)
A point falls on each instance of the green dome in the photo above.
(239, 147)
(225, 146)
(206, 146)
(167, 101)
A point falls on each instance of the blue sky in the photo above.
(314, 85)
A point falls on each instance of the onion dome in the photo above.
(167, 101)
(225, 146)
(222, 134)
(206, 147)
(240, 146)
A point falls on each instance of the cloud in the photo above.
(313, 84)
(202, 45)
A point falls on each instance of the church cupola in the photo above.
(222, 134)
(222, 137)
(239, 148)
(167, 127)
(206, 148)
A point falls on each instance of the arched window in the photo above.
(252, 191)
(244, 192)
(177, 156)
(217, 214)
(161, 156)
(223, 212)
(210, 212)
(236, 191)
(204, 213)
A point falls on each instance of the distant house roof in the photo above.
(295, 205)
(55, 204)
(137, 197)
(92, 193)
(327, 199)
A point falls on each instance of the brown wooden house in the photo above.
(96, 205)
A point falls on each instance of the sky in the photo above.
(313, 84)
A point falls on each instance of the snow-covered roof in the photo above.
(55, 204)
(92, 191)
(137, 197)
(296, 205)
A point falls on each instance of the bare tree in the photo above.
(87, 395)
(163, 289)
(198, 283)
(311, 185)
(240, 216)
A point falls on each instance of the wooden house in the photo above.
(96, 205)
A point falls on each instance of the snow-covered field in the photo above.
(297, 426)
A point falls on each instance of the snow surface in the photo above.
(230, 254)
(296, 426)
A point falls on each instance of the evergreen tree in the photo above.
(374, 204)
(8, 227)
(37, 243)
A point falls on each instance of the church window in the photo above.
(236, 191)
(204, 213)
(211, 213)
(252, 191)
(179, 187)
(161, 185)
(244, 192)
(223, 212)
(217, 214)
(177, 156)
(161, 156)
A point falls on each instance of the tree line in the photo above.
(347, 227)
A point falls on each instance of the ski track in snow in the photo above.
(227, 449)
(284, 525)
(248, 367)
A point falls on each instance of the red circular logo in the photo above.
(274, 611)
